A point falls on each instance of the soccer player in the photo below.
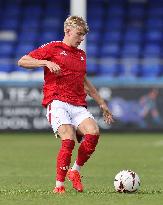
(65, 89)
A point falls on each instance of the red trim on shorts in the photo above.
(49, 113)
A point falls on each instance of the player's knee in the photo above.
(66, 132)
(94, 130)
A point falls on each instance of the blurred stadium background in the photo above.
(124, 50)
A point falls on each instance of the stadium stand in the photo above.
(121, 31)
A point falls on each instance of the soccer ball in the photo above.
(126, 181)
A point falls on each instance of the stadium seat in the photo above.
(133, 36)
(113, 36)
(153, 35)
(154, 22)
(116, 10)
(151, 68)
(12, 9)
(108, 68)
(6, 67)
(23, 49)
(152, 50)
(95, 25)
(114, 23)
(48, 36)
(27, 24)
(9, 24)
(24, 36)
(92, 67)
(136, 11)
(110, 50)
(119, 29)
(93, 37)
(92, 50)
(130, 68)
(155, 11)
(52, 22)
(6, 49)
(94, 12)
(130, 49)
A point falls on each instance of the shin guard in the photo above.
(86, 148)
(64, 159)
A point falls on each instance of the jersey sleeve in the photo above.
(42, 53)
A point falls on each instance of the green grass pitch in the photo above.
(27, 170)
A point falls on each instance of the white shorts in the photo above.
(60, 113)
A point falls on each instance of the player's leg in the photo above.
(86, 126)
(67, 135)
(60, 120)
(90, 131)
(79, 136)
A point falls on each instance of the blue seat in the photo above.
(153, 35)
(154, 22)
(93, 37)
(152, 50)
(95, 14)
(151, 69)
(51, 13)
(132, 35)
(130, 49)
(48, 36)
(109, 68)
(118, 2)
(23, 49)
(92, 67)
(155, 11)
(114, 23)
(26, 36)
(6, 49)
(6, 67)
(52, 22)
(9, 24)
(153, 3)
(116, 10)
(12, 9)
(113, 36)
(27, 24)
(92, 50)
(35, 10)
(111, 50)
(130, 68)
(95, 25)
(161, 70)
(136, 11)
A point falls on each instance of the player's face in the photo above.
(76, 36)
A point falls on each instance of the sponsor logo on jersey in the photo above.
(63, 53)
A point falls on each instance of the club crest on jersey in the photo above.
(82, 59)
(63, 53)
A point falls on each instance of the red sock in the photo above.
(64, 159)
(86, 148)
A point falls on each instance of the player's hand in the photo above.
(53, 67)
(108, 117)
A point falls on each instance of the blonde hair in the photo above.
(76, 22)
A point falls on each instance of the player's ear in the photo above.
(67, 31)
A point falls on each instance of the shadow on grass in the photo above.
(73, 192)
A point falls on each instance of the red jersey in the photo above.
(68, 85)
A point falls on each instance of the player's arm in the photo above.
(28, 62)
(92, 92)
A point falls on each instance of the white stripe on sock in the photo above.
(76, 167)
(58, 183)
